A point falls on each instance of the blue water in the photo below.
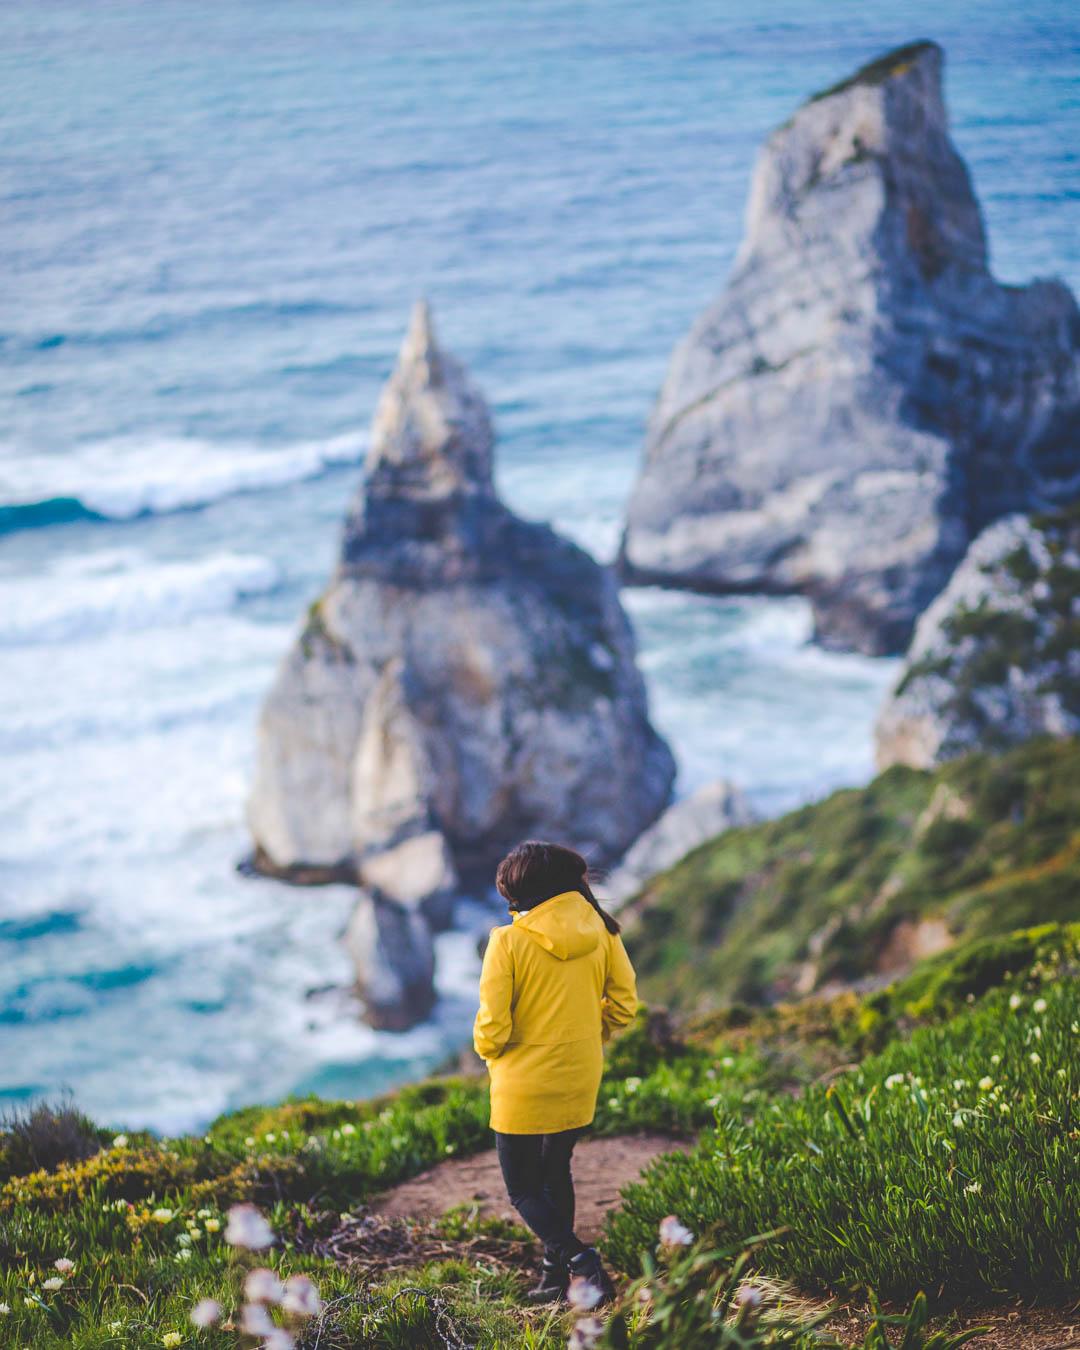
(214, 219)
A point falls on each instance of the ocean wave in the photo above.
(115, 590)
(128, 477)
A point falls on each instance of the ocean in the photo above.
(215, 218)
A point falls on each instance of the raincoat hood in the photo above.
(567, 926)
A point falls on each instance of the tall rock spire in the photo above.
(432, 436)
(864, 397)
(467, 680)
(427, 503)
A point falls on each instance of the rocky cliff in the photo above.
(996, 658)
(468, 678)
(864, 397)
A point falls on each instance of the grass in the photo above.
(985, 845)
(142, 1218)
(948, 1161)
(873, 1177)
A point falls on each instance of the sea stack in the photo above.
(467, 680)
(864, 398)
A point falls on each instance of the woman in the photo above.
(556, 983)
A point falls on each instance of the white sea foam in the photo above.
(109, 591)
(128, 477)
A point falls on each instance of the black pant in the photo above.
(536, 1169)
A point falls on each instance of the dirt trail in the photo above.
(602, 1167)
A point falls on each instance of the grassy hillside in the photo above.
(861, 883)
(142, 1219)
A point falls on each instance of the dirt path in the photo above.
(602, 1167)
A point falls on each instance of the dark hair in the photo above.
(534, 872)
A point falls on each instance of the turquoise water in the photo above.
(214, 219)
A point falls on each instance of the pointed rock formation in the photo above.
(467, 680)
(996, 658)
(864, 398)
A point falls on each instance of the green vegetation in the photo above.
(986, 641)
(981, 847)
(920, 1135)
(142, 1218)
(876, 1175)
(949, 1160)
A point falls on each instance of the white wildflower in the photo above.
(1039, 1005)
(974, 1188)
(985, 1084)
(995, 1059)
(248, 1228)
(301, 1297)
(255, 1320)
(748, 1296)
(958, 1121)
(52, 1284)
(278, 1339)
(583, 1294)
(673, 1233)
(162, 1216)
(184, 1239)
(959, 1084)
(63, 1265)
(348, 1129)
(894, 1080)
(586, 1332)
(727, 1062)
(1014, 1001)
(183, 1254)
(632, 1084)
(249, 1141)
(5, 1308)
(206, 1312)
(263, 1286)
(1035, 1057)
(205, 1214)
(270, 1137)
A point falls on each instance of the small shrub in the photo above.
(41, 1137)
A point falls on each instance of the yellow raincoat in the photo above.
(555, 984)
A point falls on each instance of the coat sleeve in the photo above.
(619, 1002)
(491, 1030)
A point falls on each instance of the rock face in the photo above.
(392, 952)
(864, 398)
(706, 813)
(996, 658)
(466, 681)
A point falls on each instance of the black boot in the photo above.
(554, 1277)
(588, 1266)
